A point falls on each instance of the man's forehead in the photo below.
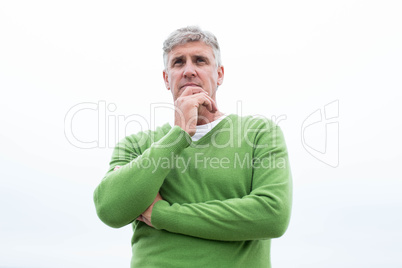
(191, 48)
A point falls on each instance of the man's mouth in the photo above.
(190, 85)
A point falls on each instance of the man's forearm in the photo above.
(127, 192)
(254, 216)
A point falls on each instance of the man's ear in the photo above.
(221, 74)
(166, 79)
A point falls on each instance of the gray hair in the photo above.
(191, 34)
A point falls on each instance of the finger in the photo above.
(192, 90)
(208, 104)
(206, 101)
(202, 91)
(213, 105)
(158, 197)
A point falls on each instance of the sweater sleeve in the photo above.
(125, 193)
(262, 214)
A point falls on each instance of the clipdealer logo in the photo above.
(323, 126)
(112, 127)
(319, 131)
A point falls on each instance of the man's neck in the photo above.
(206, 117)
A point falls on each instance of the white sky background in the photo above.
(282, 58)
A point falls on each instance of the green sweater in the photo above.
(225, 195)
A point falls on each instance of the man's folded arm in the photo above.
(125, 193)
(262, 214)
(250, 218)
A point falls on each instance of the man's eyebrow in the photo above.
(177, 58)
(200, 56)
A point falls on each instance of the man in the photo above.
(212, 190)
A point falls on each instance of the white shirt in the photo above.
(201, 130)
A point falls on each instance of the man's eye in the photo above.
(177, 62)
(200, 60)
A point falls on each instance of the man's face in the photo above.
(192, 64)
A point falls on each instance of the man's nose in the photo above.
(189, 70)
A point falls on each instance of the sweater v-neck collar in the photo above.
(209, 133)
